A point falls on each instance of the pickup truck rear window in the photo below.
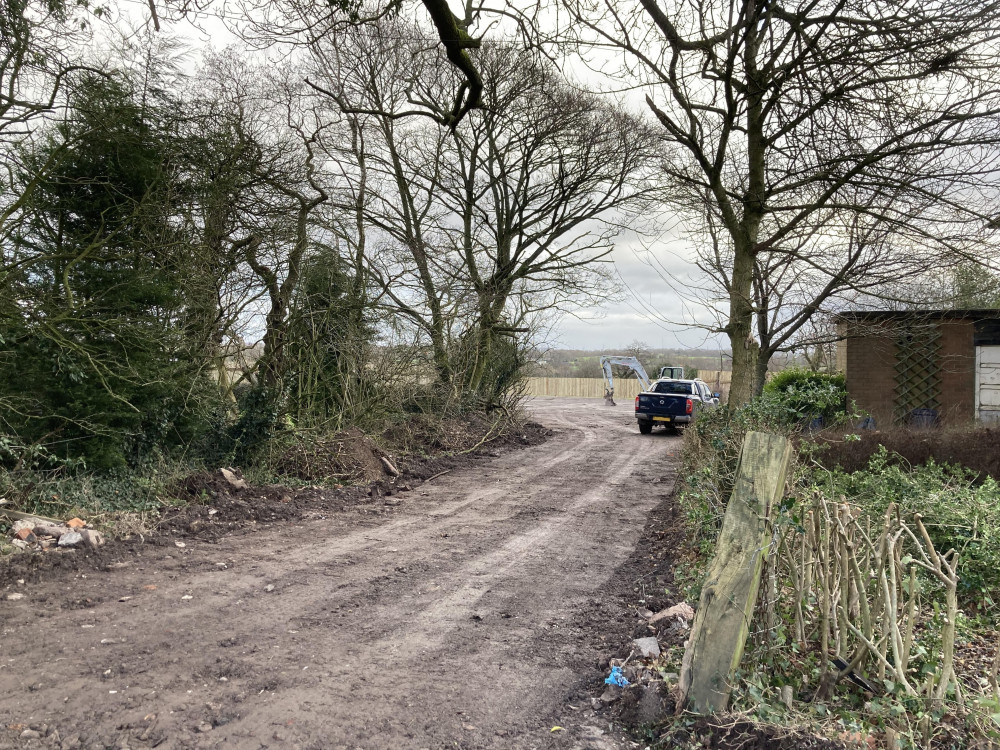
(669, 387)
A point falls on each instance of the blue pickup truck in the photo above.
(672, 403)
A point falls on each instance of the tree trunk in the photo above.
(413, 236)
(483, 351)
(492, 301)
(746, 350)
(760, 377)
(273, 360)
(442, 362)
(485, 331)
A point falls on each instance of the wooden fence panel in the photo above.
(625, 388)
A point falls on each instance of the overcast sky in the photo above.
(650, 309)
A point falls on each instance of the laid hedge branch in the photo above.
(859, 597)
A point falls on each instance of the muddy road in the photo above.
(473, 614)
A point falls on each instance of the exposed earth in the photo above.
(476, 610)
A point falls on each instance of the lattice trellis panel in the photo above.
(918, 371)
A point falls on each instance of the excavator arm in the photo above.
(631, 362)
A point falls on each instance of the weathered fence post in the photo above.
(728, 597)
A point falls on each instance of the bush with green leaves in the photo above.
(35, 480)
(792, 400)
(330, 338)
(959, 508)
(711, 453)
(799, 396)
(96, 357)
(960, 512)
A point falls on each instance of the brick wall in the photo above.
(958, 371)
(869, 358)
(871, 377)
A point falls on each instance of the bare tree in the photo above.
(311, 22)
(855, 259)
(514, 208)
(972, 286)
(786, 116)
(297, 185)
(370, 76)
(255, 187)
(543, 178)
(36, 43)
(37, 62)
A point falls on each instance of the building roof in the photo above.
(869, 315)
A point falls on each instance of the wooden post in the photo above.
(728, 597)
(14, 515)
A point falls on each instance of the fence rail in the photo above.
(625, 388)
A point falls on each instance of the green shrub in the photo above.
(258, 422)
(796, 377)
(959, 512)
(959, 508)
(97, 496)
(713, 443)
(800, 396)
(712, 448)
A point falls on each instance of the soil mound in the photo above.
(423, 434)
(349, 457)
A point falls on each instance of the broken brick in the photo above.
(25, 534)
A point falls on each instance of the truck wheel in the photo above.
(645, 428)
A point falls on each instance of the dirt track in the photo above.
(469, 616)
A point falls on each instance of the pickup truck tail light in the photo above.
(689, 408)
(637, 403)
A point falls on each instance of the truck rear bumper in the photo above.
(654, 419)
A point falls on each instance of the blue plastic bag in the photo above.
(616, 678)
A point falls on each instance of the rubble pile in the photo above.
(643, 676)
(32, 533)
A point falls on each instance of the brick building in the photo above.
(922, 366)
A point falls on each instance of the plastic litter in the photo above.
(616, 678)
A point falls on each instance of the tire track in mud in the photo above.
(455, 622)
